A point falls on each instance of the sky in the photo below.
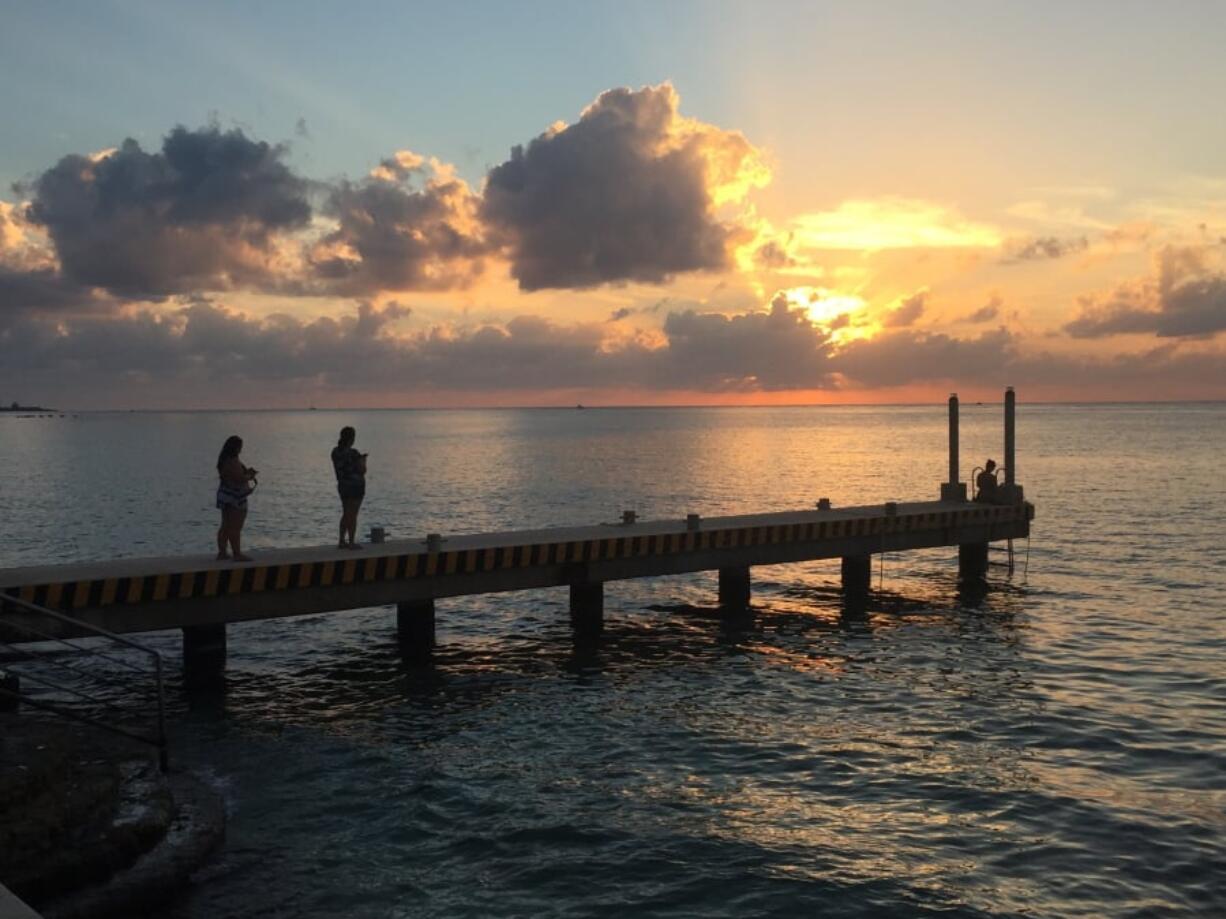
(387, 204)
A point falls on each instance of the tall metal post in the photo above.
(1010, 437)
(953, 437)
(953, 490)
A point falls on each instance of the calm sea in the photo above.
(1058, 749)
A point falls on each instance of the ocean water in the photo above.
(1054, 748)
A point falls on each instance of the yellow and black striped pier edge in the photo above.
(97, 585)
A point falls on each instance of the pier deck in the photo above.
(145, 594)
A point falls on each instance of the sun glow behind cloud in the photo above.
(891, 223)
(832, 310)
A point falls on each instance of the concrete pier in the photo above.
(137, 595)
(200, 595)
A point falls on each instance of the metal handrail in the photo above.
(160, 740)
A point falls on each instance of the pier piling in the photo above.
(204, 652)
(972, 561)
(415, 626)
(10, 690)
(857, 573)
(587, 605)
(734, 588)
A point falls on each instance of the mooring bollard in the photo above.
(692, 521)
(434, 542)
(629, 516)
(823, 504)
(376, 534)
(891, 508)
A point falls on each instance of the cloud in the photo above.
(908, 312)
(987, 312)
(629, 192)
(1185, 298)
(1040, 248)
(909, 356)
(393, 236)
(202, 213)
(779, 349)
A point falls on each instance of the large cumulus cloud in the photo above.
(1186, 298)
(392, 235)
(628, 193)
(203, 213)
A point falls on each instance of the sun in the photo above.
(830, 309)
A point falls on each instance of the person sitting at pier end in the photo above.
(236, 483)
(986, 489)
(350, 468)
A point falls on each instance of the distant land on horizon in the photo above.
(17, 407)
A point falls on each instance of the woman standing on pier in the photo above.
(350, 467)
(237, 482)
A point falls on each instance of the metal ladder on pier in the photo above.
(30, 655)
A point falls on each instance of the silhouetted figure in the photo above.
(986, 489)
(350, 467)
(236, 483)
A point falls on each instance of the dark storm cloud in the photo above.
(908, 312)
(1041, 248)
(1186, 300)
(202, 213)
(392, 236)
(37, 290)
(624, 194)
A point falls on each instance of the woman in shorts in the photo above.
(236, 483)
(350, 467)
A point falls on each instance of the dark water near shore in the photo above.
(1056, 748)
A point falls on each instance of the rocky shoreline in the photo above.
(92, 828)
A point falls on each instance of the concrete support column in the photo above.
(857, 573)
(734, 588)
(415, 626)
(587, 605)
(973, 561)
(204, 652)
(10, 687)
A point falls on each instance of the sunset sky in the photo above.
(392, 204)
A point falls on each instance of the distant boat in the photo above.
(580, 405)
(15, 407)
(314, 409)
